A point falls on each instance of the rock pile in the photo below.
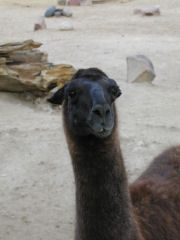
(57, 12)
(23, 68)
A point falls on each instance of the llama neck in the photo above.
(103, 207)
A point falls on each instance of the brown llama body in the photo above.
(106, 208)
(156, 197)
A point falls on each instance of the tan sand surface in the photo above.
(36, 180)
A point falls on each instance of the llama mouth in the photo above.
(103, 133)
(99, 131)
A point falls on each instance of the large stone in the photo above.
(2, 60)
(11, 81)
(28, 70)
(18, 52)
(140, 69)
(58, 75)
(8, 48)
(35, 78)
(27, 56)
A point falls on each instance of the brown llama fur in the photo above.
(156, 197)
(107, 208)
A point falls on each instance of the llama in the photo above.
(106, 207)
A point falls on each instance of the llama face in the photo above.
(89, 104)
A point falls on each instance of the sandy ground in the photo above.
(36, 180)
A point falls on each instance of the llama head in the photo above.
(88, 102)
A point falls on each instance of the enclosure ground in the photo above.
(36, 180)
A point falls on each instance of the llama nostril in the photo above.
(101, 110)
(98, 110)
(107, 111)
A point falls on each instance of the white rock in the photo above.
(67, 12)
(85, 2)
(140, 69)
(150, 11)
(66, 26)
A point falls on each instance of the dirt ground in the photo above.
(36, 180)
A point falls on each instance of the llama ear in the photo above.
(118, 90)
(58, 96)
(78, 74)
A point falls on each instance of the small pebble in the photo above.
(85, 2)
(67, 12)
(73, 2)
(50, 11)
(58, 12)
(154, 10)
(61, 2)
(150, 11)
(137, 11)
(66, 26)
(40, 24)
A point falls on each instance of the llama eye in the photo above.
(72, 93)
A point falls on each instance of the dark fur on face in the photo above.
(88, 98)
